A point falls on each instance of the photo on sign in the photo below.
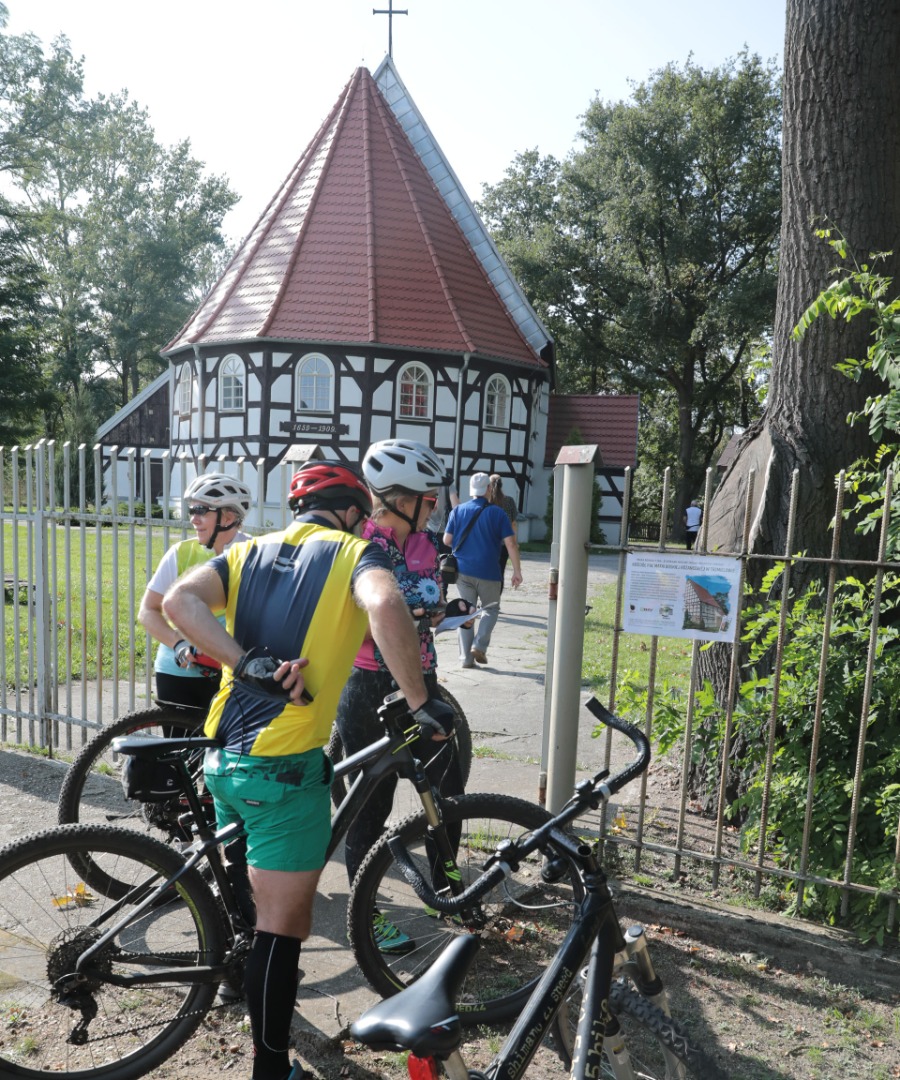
(706, 603)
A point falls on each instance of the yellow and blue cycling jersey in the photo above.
(291, 592)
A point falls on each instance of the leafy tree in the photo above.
(22, 390)
(126, 230)
(651, 252)
(150, 224)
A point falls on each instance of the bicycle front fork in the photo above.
(635, 959)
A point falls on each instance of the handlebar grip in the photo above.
(601, 713)
(452, 905)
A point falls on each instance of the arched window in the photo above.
(496, 402)
(184, 395)
(315, 384)
(231, 384)
(415, 393)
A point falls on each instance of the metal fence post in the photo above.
(559, 479)
(40, 597)
(565, 698)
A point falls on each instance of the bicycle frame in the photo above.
(389, 756)
(595, 929)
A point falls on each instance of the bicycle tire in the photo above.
(335, 748)
(658, 1047)
(48, 914)
(92, 791)
(516, 946)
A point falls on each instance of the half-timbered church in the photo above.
(368, 302)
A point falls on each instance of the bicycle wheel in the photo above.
(335, 750)
(657, 1046)
(521, 923)
(92, 789)
(49, 915)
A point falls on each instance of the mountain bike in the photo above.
(112, 943)
(609, 1018)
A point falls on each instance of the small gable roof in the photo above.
(133, 424)
(358, 246)
(609, 421)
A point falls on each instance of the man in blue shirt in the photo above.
(476, 530)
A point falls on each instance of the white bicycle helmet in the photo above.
(220, 492)
(402, 464)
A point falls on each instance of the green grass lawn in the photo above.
(83, 614)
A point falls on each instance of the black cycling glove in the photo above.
(256, 668)
(435, 717)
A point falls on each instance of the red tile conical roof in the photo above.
(359, 247)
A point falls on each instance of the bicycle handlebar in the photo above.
(510, 852)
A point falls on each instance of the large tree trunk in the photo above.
(840, 170)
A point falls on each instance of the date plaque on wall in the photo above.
(303, 427)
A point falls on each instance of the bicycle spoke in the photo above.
(49, 915)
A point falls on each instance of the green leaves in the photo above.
(651, 250)
(124, 230)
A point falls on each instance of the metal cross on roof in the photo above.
(389, 11)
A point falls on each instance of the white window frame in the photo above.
(494, 384)
(427, 381)
(232, 374)
(185, 395)
(321, 361)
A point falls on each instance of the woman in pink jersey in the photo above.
(404, 478)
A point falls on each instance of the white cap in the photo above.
(478, 485)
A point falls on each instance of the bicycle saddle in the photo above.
(423, 1017)
(145, 746)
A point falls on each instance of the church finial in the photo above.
(389, 11)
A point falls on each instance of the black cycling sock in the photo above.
(270, 982)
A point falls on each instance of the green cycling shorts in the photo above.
(284, 804)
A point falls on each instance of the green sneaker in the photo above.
(390, 939)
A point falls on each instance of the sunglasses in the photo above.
(430, 499)
(199, 511)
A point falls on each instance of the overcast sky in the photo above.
(249, 83)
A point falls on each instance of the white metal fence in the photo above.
(77, 547)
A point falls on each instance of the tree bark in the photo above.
(840, 170)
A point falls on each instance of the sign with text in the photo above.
(685, 596)
(304, 427)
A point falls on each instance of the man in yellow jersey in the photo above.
(298, 604)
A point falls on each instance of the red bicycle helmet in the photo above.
(320, 483)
